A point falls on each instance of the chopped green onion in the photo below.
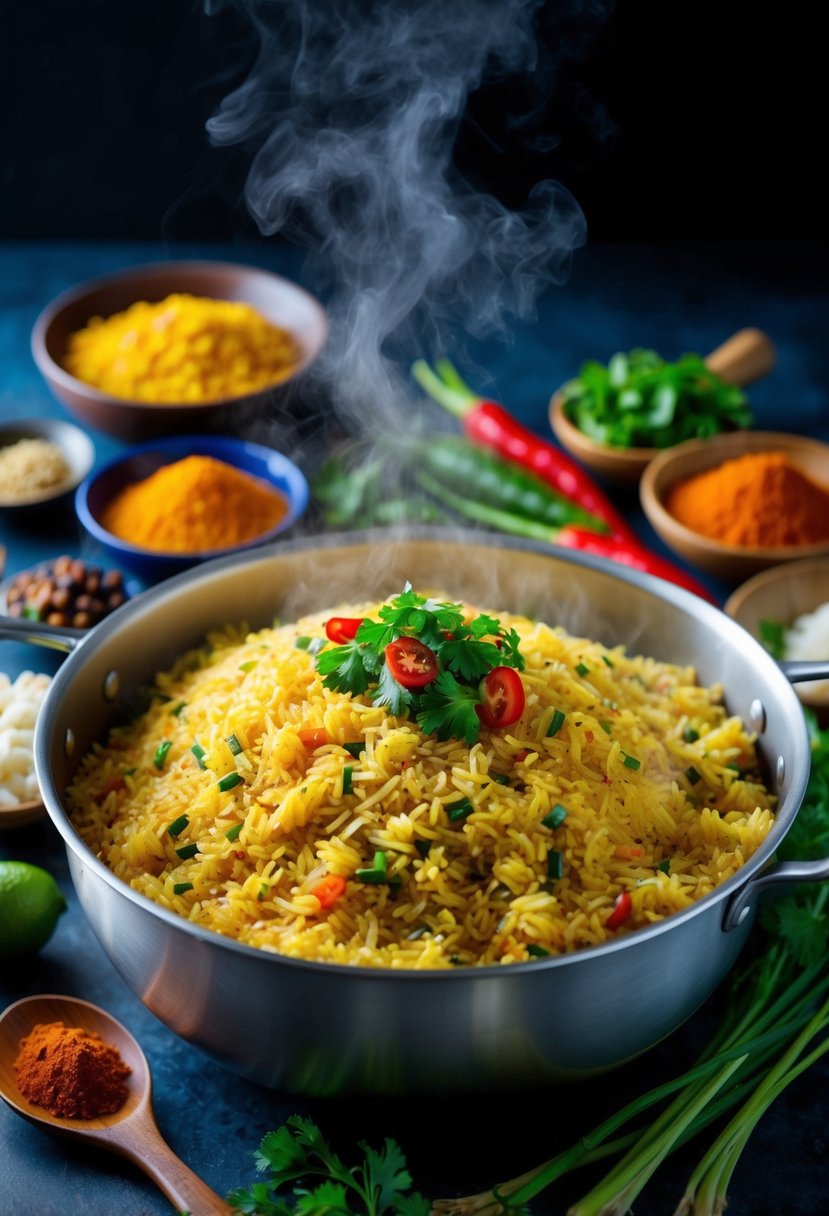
(606, 726)
(232, 833)
(302, 643)
(692, 775)
(355, 749)
(691, 735)
(176, 710)
(229, 781)
(161, 753)
(199, 752)
(348, 772)
(264, 889)
(233, 743)
(555, 818)
(180, 887)
(459, 810)
(630, 761)
(130, 772)
(178, 825)
(376, 873)
(249, 666)
(30, 613)
(555, 863)
(187, 850)
(582, 670)
(500, 778)
(664, 865)
(423, 847)
(537, 951)
(556, 723)
(607, 661)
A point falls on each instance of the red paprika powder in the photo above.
(71, 1072)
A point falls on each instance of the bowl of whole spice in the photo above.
(42, 460)
(169, 504)
(736, 504)
(177, 347)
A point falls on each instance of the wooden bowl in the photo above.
(741, 359)
(782, 594)
(732, 563)
(279, 300)
(21, 814)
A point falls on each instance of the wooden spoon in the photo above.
(132, 1131)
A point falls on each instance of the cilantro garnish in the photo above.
(465, 652)
(297, 1155)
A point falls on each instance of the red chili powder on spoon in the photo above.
(71, 1072)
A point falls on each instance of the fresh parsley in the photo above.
(465, 650)
(306, 1178)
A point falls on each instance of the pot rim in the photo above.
(204, 573)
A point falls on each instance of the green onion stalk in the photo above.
(776, 1025)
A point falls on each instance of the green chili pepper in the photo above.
(476, 473)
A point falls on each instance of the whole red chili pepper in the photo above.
(488, 423)
(571, 536)
(636, 557)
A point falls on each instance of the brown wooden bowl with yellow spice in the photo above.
(735, 504)
(177, 347)
(172, 503)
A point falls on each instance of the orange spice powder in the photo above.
(194, 505)
(71, 1072)
(758, 500)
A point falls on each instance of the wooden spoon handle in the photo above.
(145, 1147)
(743, 358)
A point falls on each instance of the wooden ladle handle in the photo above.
(143, 1144)
(743, 358)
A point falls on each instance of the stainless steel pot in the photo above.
(315, 1028)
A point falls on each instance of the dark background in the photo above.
(676, 121)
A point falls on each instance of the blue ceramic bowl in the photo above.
(149, 565)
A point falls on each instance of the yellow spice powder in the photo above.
(193, 505)
(183, 349)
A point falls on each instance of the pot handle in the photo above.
(741, 904)
(798, 670)
(38, 633)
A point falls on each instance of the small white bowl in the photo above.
(74, 445)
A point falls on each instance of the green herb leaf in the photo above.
(448, 710)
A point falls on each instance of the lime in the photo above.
(30, 904)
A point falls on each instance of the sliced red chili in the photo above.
(411, 662)
(342, 628)
(502, 698)
(329, 889)
(622, 908)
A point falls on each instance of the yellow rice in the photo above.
(477, 890)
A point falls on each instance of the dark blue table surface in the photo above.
(674, 299)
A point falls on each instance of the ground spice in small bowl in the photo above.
(759, 500)
(30, 468)
(182, 350)
(192, 506)
(71, 1072)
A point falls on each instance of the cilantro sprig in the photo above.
(465, 650)
(297, 1156)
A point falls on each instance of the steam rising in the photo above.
(351, 113)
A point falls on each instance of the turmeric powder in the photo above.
(71, 1072)
(181, 350)
(194, 505)
(761, 500)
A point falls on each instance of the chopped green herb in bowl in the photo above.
(640, 400)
